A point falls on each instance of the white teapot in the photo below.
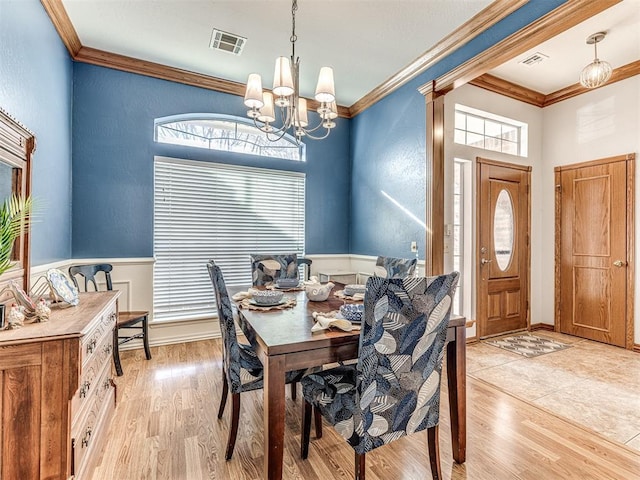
(317, 292)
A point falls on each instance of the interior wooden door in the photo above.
(502, 234)
(594, 210)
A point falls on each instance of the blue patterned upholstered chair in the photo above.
(394, 389)
(242, 370)
(266, 269)
(391, 267)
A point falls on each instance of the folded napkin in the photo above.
(242, 295)
(329, 320)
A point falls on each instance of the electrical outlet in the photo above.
(446, 248)
(414, 247)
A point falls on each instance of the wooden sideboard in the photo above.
(57, 394)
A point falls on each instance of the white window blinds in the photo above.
(222, 212)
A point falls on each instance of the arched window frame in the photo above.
(265, 148)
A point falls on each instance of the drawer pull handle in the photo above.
(91, 346)
(107, 383)
(108, 348)
(86, 438)
(85, 389)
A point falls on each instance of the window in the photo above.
(208, 211)
(226, 133)
(485, 130)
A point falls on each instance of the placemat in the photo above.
(247, 305)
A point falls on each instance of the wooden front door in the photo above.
(594, 240)
(502, 232)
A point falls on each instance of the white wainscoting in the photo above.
(134, 278)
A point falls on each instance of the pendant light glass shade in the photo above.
(253, 94)
(325, 90)
(282, 78)
(597, 73)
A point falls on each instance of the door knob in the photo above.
(485, 261)
(619, 263)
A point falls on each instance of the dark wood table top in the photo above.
(289, 330)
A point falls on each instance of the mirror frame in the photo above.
(17, 145)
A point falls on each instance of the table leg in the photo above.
(457, 383)
(274, 374)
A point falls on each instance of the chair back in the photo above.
(307, 266)
(391, 267)
(89, 272)
(266, 269)
(230, 346)
(400, 361)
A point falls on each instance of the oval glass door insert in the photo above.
(503, 229)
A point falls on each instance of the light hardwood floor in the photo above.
(166, 427)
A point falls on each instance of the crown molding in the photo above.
(79, 53)
(63, 25)
(621, 73)
(557, 21)
(509, 89)
(532, 97)
(488, 17)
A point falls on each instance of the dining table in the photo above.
(283, 341)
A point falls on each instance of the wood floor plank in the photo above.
(166, 428)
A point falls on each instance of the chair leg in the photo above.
(317, 415)
(145, 336)
(360, 463)
(434, 452)
(294, 390)
(233, 431)
(116, 352)
(306, 429)
(223, 397)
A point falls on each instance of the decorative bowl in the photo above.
(287, 282)
(267, 297)
(351, 290)
(352, 311)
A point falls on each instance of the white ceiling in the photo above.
(568, 52)
(365, 41)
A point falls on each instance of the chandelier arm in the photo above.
(313, 137)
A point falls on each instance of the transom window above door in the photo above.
(226, 133)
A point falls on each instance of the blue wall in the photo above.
(113, 118)
(388, 152)
(35, 88)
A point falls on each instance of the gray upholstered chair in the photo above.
(391, 267)
(242, 370)
(394, 389)
(266, 269)
(306, 264)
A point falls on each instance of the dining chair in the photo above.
(306, 262)
(126, 321)
(242, 369)
(394, 388)
(392, 267)
(266, 269)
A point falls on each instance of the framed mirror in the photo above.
(17, 145)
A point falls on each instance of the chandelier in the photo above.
(285, 101)
(597, 72)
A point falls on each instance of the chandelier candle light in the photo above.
(292, 107)
(597, 72)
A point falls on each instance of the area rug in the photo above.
(528, 345)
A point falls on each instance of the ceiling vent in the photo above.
(533, 59)
(227, 42)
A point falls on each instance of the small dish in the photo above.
(280, 302)
(352, 312)
(267, 298)
(62, 287)
(351, 290)
(287, 282)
